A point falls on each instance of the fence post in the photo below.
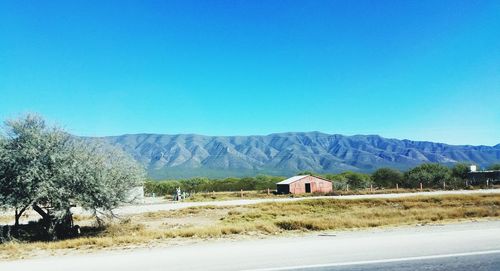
(487, 183)
(444, 185)
(268, 191)
(421, 187)
(241, 193)
(397, 187)
(371, 187)
(347, 187)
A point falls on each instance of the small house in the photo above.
(482, 177)
(304, 184)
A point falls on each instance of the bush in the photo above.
(357, 180)
(386, 177)
(167, 187)
(430, 175)
(494, 167)
(460, 171)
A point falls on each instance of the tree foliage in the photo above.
(430, 175)
(48, 170)
(494, 167)
(460, 171)
(167, 187)
(387, 177)
(355, 180)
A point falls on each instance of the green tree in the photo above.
(387, 177)
(193, 184)
(494, 167)
(460, 171)
(48, 170)
(264, 182)
(306, 172)
(430, 175)
(339, 181)
(356, 180)
(161, 188)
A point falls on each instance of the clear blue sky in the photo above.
(422, 70)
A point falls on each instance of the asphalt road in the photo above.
(468, 246)
(482, 261)
(134, 209)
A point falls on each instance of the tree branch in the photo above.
(41, 212)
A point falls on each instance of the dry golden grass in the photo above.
(275, 218)
(218, 196)
(6, 218)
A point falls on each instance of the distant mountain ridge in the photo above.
(189, 155)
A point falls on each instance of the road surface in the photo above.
(135, 209)
(467, 246)
(482, 261)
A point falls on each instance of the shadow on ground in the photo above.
(37, 231)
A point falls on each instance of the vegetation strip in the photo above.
(269, 219)
(423, 177)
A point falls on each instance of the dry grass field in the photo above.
(200, 223)
(218, 196)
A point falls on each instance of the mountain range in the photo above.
(189, 155)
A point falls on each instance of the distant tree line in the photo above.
(430, 175)
(167, 187)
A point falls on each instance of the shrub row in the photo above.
(431, 176)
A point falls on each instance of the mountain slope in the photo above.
(187, 155)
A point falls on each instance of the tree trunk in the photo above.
(42, 213)
(61, 227)
(17, 216)
(49, 223)
(16, 223)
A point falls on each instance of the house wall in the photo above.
(283, 189)
(317, 185)
(480, 177)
